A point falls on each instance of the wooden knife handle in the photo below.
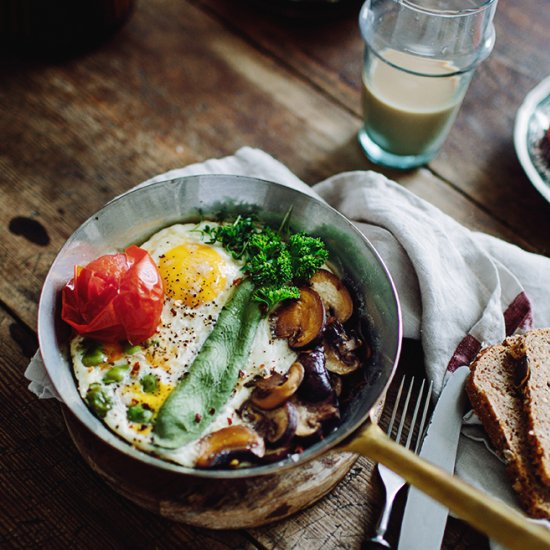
(487, 514)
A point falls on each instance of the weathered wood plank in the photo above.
(50, 498)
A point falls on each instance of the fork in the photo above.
(393, 483)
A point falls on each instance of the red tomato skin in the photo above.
(115, 297)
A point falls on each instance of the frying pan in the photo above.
(251, 496)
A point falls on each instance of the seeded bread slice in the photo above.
(493, 389)
(536, 391)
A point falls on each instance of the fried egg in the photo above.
(198, 280)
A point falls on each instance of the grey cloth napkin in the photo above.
(459, 290)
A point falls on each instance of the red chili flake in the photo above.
(299, 449)
(237, 281)
(173, 312)
(229, 420)
(241, 374)
(198, 417)
(135, 368)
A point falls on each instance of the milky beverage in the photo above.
(409, 114)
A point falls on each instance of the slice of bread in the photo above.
(536, 391)
(494, 389)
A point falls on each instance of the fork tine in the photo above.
(404, 412)
(415, 414)
(395, 407)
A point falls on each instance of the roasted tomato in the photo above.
(115, 297)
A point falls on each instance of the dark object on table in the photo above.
(308, 9)
(33, 25)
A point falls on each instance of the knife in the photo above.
(424, 519)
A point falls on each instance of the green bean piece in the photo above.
(116, 374)
(94, 357)
(149, 383)
(97, 400)
(138, 413)
(130, 350)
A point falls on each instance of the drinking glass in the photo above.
(420, 56)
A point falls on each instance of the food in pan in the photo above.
(541, 153)
(254, 348)
(545, 146)
(509, 388)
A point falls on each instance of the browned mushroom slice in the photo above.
(334, 295)
(342, 350)
(270, 392)
(233, 443)
(313, 417)
(281, 424)
(253, 416)
(301, 321)
(316, 385)
(336, 365)
(277, 426)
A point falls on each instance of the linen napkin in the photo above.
(459, 290)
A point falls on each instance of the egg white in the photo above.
(169, 353)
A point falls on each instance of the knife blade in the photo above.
(424, 519)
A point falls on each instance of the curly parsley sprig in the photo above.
(275, 260)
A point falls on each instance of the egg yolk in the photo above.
(193, 273)
(152, 400)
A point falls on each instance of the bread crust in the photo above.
(536, 390)
(494, 390)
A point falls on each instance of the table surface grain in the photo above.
(181, 82)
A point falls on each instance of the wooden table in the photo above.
(181, 82)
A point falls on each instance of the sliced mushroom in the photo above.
(342, 350)
(301, 321)
(334, 295)
(252, 415)
(313, 418)
(270, 392)
(281, 425)
(316, 385)
(335, 364)
(233, 443)
(277, 426)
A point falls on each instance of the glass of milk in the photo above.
(420, 56)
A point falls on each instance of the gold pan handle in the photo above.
(487, 514)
